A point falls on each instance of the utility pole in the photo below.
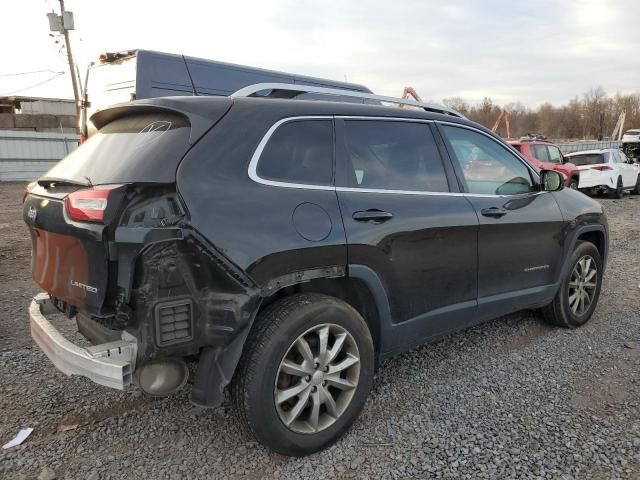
(62, 24)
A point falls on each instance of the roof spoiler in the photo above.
(201, 116)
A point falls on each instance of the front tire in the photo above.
(305, 374)
(579, 292)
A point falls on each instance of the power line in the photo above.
(33, 86)
(27, 73)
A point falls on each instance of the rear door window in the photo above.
(390, 155)
(487, 167)
(299, 152)
(540, 152)
(137, 148)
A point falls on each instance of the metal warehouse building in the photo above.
(34, 134)
(24, 156)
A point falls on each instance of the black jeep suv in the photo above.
(289, 245)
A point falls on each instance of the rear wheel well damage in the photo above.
(188, 299)
(217, 365)
(351, 290)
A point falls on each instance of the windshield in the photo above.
(632, 132)
(587, 159)
(138, 148)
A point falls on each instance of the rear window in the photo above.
(587, 159)
(299, 152)
(137, 148)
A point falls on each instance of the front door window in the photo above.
(488, 167)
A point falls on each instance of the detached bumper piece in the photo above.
(110, 364)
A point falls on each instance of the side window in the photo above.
(300, 151)
(540, 152)
(487, 166)
(554, 154)
(390, 155)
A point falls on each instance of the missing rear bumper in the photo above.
(110, 364)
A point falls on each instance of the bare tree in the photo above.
(591, 116)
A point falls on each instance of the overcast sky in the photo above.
(505, 50)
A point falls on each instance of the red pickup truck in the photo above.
(545, 155)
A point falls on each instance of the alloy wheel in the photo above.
(582, 285)
(317, 378)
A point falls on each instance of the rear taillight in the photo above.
(83, 138)
(88, 205)
(602, 168)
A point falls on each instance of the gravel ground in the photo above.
(512, 398)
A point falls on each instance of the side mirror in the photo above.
(551, 181)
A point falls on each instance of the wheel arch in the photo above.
(361, 288)
(597, 237)
(595, 234)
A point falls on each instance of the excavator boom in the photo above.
(410, 92)
(504, 115)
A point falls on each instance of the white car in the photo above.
(631, 144)
(631, 136)
(607, 170)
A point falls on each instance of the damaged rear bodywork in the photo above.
(170, 267)
(187, 299)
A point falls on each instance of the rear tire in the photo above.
(636, 189)
(579, 292)
(619, 190)
(284, 353)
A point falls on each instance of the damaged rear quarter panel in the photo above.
(223, 299)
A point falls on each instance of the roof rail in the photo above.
(294, 90)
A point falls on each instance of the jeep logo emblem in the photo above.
(32, 213)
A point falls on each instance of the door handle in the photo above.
(494, 212)
(372, 215)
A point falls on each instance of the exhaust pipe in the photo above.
(163, 377)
